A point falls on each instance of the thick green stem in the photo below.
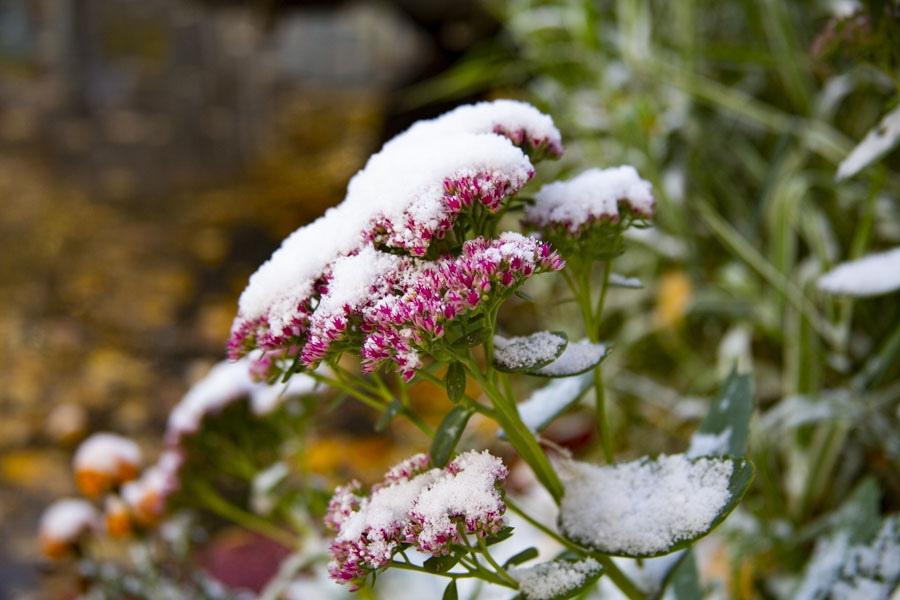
(624, 584)
(517, 433)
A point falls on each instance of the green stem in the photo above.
(225, 509)
(624, 584)
(516, 432)
(500, 570)
(602, 420)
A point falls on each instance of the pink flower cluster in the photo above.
(411, 193)
(429, 509)
(536, 146)
(401, 325)
(461, 193)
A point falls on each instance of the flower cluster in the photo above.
(64, 523)
(430, 509)
(104, 461)
(411, 193)
(401, 325)
(146, 497)
(596, 196)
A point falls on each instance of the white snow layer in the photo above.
(709, 444)
(576, 358)
(526, 351)
(105, 453)
(66, 519)
(555, 578)
(225, 383)
(643, 507)
(551, 400)
(592, 195)
(871, 275)
(877, 143)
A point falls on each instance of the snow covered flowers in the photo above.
(429, 509)
(103, 461)
(64, 523)
(427, 191)
(588, 212)
(146, 496)
(403, 325)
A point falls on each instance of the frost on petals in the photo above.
(64, 523)
(105, 460)
(413, 505)
(871, 275)
(644, 507)
(595, 196)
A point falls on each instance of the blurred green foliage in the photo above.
(739, 113)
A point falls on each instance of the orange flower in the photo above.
(103, 461)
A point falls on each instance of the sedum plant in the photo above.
(402, 283)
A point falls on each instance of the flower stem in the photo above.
(225, 509)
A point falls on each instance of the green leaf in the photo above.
(584, 574)
(738, 483)
(725, 429)
(455, 382)
(500, 536)
(578, 357)
(684, 582)
(392, 410)
(450, 592)
(523, 556)
(448, 433)
(442, 564)
(528, 353)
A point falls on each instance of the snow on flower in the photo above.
(146, 496)
(116, 517)
(592, 197)
(436, 293)
(228, 382)
(555, 578)
(465, 495)
(64, 523)
(105, 460)
(520, 122)
(871, 275)
(413, 505)
(642, 507)
(407, 195)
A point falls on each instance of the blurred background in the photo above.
(154, 152)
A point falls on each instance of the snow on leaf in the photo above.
(622, 281)
(841, 569)
(552, 400)
(878, 142)
(556, 579)
(649, 507)
(727, 424)
(871, 275)
(577, 358)
(529, 352)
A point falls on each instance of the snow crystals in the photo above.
(518, 353)
(645, 507)
(555, 578)
(594, 196)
